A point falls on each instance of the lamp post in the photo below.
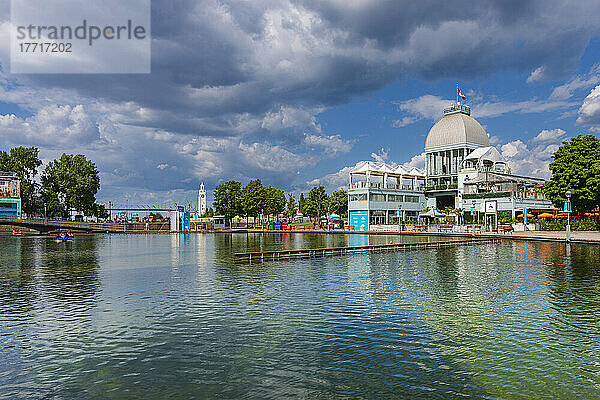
(400, 218)
(568, 194)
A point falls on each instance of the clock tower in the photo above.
(201, 200)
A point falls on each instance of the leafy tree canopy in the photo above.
(316, 203)
(24, 162)
(291, 206)
(253, 198)
(228, 198)
(275, 200)
(338, 202)
(70, 183)
(576, 167)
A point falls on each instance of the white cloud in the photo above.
(289, 117)
(422, 107)
(430, 107)
(532, 159)
(399, 123)
(494, 140)
(334, 181)
(536, 75)
(566, 90)
(551, 135)
(53, 126)
(331, 145)
(417, 161)
(589, 112)
(497, 108)
(381, 156)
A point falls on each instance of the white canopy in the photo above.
(486, 156)
(381, 169)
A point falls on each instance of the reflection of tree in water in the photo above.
(492, 302)
(573, 273)
(17, 273)
(69, 271)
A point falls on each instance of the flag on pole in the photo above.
(460, 94)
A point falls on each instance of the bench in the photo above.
(505, 229)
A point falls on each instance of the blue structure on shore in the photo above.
(10, 196)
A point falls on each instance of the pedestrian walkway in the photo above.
(587, 236)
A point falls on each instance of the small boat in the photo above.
(17, 232)
(63, 237)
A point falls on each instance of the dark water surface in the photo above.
(172, 316)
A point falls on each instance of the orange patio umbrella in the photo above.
(546, 215)
(528, 215)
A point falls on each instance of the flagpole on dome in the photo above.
(457, 103)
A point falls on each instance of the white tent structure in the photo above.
(486, 159)
(378, 174)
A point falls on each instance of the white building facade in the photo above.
(383, 194)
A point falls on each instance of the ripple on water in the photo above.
(173, 316)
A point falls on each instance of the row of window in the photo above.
(396, 198)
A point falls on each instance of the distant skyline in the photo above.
(295, 92)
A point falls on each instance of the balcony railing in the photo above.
(489, 195)
(441, 187)
(379, 185)
(486, 195)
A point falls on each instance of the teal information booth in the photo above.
(359, 220)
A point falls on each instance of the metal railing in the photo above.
(441, 187)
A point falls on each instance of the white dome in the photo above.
(456, 128)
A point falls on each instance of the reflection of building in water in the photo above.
(462, 170)
(10, 195)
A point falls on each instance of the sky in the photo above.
(297, 92)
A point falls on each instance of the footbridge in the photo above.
(44, 226)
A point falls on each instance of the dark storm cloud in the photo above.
(348, 49)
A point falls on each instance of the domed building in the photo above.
(462, 171)
(448, 143)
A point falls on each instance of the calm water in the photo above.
(157, 316)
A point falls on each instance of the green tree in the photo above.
(316, 203)
(70, 183)
(338, 202)
(576, 167)
(208, 213)
(253, 198)
(100, 211)
(275, 200)
(228, 198)
(291, 206)
(23, 161)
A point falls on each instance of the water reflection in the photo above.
(174, 316)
